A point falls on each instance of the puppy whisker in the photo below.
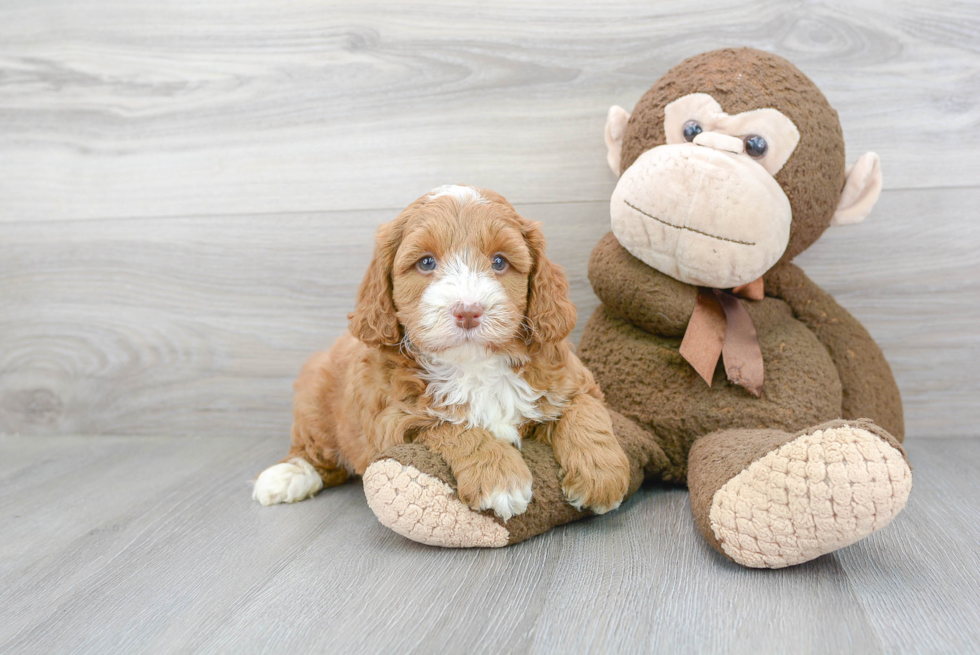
(407, 348)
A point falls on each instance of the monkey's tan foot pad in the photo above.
(811, 496)
(423, 508)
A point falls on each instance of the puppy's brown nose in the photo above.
(467, 314)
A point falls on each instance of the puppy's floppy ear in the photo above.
(550, 312)
(373, 320)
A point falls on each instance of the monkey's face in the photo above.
(705, 208)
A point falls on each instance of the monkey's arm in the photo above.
(636, 292)
(869, 386)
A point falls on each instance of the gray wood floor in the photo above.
(153, 544)
(187, 196)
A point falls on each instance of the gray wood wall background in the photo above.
(188, 190)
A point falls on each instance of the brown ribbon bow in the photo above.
(721, 326)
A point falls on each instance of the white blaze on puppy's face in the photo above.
(458, 283)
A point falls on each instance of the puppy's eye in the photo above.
(691, 130)
(756, 146)
(498, 263)
(427, 263)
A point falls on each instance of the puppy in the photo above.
(457, 341)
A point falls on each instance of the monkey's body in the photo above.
(730, 166)
(644, 377)
(631, 346)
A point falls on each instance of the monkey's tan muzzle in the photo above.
(703, 215)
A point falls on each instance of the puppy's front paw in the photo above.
(508, 501)
(502, 484)
(596, 480)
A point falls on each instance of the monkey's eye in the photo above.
(755, 146)
(498, 263)
(691, 130)
(427, 263)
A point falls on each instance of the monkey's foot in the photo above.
(816, 492)
(424, 508)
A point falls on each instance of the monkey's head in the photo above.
(732, 162)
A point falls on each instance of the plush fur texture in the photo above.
(829, 397)
(457, 342)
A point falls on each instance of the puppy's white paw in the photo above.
(508, 501)
(288, 482)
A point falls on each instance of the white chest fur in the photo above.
(494, 396)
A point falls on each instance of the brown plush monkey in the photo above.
(722, 364)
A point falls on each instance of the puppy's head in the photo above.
(459, 267)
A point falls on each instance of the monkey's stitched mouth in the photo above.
(689, 229)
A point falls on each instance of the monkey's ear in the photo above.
(616, 121)
(861, 191)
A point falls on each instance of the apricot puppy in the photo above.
(458, 341)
